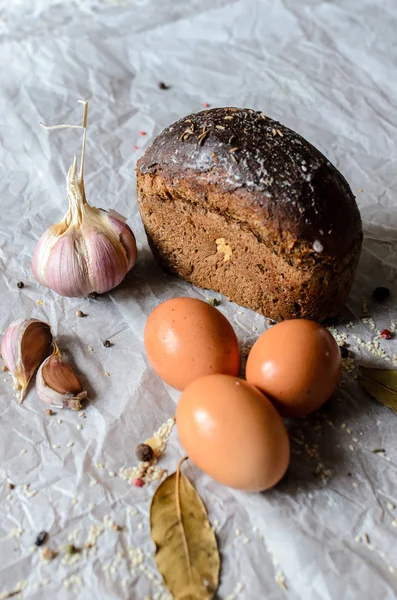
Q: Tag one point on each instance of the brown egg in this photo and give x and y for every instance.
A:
(297, 365)
(187, 338)
(233, 433)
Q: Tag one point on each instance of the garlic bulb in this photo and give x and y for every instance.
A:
(90, 250)
(24, 346)
(57, 384)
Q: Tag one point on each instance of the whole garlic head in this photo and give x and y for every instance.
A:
(90, 250)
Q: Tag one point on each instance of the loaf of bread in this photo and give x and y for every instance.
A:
(235, 202)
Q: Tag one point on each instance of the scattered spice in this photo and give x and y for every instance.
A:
(142, 133)
(49, 412)
(41, 538)
(386, 334)
(107, 344)
(10, 485)
(79, 313)
(213, 301)
(93, 295)
(71, 549)
(380, 293)
(144, 452)
(47, 553)
(163, 86)
(379, 451)
(344, 352)
(4, 368)
(280, 580)
(135, 147)
(206, 105)
(116, 527)
(107, 374)
(20, 285)
(138, 482)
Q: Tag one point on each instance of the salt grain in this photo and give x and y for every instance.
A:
(16, 532)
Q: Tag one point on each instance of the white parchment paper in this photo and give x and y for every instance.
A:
(326, 69)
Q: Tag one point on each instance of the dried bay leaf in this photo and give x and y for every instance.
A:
(186, 550)
(381, 384)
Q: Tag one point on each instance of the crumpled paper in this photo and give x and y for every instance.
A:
(326, 69)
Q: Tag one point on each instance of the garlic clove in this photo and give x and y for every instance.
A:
(24, 346)
(57, 384)
(126, 237)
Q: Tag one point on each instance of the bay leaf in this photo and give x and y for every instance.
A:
(186, 550)
(381, 384)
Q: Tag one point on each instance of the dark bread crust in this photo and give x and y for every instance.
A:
(290, 224)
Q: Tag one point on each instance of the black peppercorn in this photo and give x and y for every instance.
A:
(107, 344)
(380, 293)
(163, 86)
(41, 538)
(344, 352)
(144, 452)
(20, 284)
(213, 301)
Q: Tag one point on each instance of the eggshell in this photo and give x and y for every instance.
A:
(233, 433)
(187, 338)
(297, 365)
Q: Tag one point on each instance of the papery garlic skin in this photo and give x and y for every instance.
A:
(24, 346)
(90, 250)
(57, 384)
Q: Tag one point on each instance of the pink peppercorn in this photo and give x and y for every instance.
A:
(142, 133)
(386, 334)
(206, 105)
(139, 482)
(136, 147)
